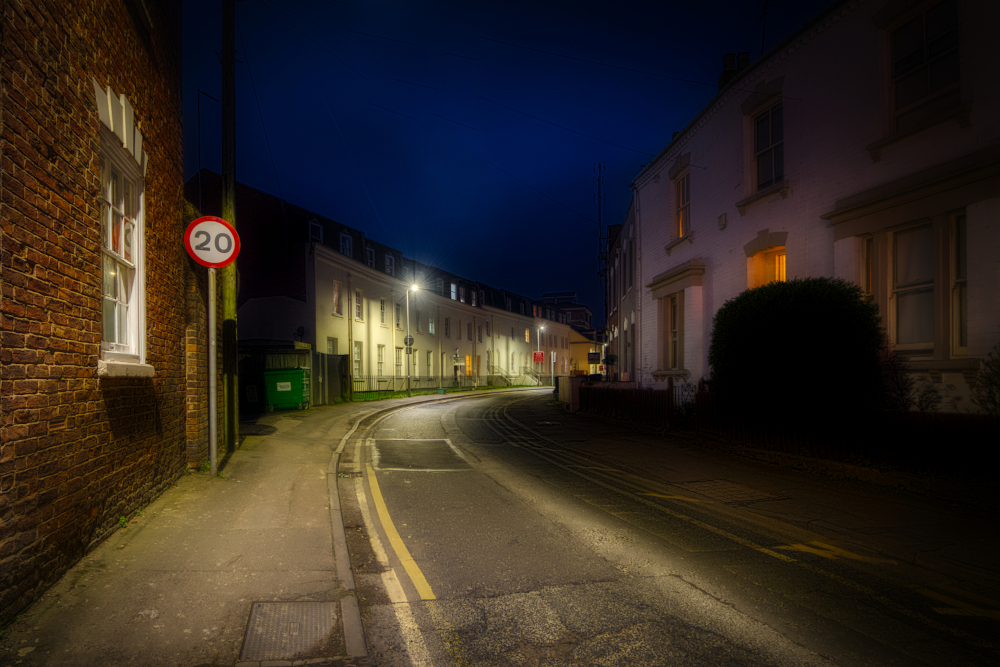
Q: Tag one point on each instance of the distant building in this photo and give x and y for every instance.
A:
(577, 314)
(348, 293)
(620, 297)
(100, 407)
(861, 147)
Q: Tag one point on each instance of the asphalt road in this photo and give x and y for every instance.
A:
(481, 534)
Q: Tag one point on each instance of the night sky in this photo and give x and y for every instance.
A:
(465, 133)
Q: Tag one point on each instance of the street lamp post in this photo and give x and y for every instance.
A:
(408, 341)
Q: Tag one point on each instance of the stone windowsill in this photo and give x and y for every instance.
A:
(662, 375)
(670, 247)
(960, 113)
(120, 369)
(780, 188)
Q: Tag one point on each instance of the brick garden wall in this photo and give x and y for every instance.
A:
(78, 451)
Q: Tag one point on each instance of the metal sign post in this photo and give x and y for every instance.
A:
(212, 242)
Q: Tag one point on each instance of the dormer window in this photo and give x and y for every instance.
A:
(315, 232)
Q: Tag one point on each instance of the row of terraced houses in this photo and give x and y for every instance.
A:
(866, 146)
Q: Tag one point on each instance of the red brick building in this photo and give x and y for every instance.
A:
(99, 301)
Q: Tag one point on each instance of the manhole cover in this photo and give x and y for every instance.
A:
(727, 492)
(290, 630)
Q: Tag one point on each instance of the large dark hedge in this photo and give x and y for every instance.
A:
(811, 344)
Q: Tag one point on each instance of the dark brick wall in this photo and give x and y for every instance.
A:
(78, 451)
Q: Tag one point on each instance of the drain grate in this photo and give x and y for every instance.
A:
(727, 492)
(289, 630)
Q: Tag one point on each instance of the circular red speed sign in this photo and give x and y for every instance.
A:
(212, 242)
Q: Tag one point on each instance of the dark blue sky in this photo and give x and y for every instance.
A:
(465, 133)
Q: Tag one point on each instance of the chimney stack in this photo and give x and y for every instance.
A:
(732, 64)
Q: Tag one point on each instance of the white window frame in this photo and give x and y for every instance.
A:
(370, 256)
(773, 150)
(359, 305)
(122, 271)
(900, 291)
(382, 311)
(346, 245)
(430, 324)
(380, 360)
(454, 291)
(390, 264)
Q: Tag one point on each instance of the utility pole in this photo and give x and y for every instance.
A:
(230, 381)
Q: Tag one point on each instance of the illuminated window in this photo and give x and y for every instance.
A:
(769, 147)
(337, 309)
(430, 324)
(527, 336)
(454, 292)
(779, 267)
(682, 204)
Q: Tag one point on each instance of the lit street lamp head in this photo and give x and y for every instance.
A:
(414, 287)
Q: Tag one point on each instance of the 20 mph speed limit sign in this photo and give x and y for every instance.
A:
(212, 242)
